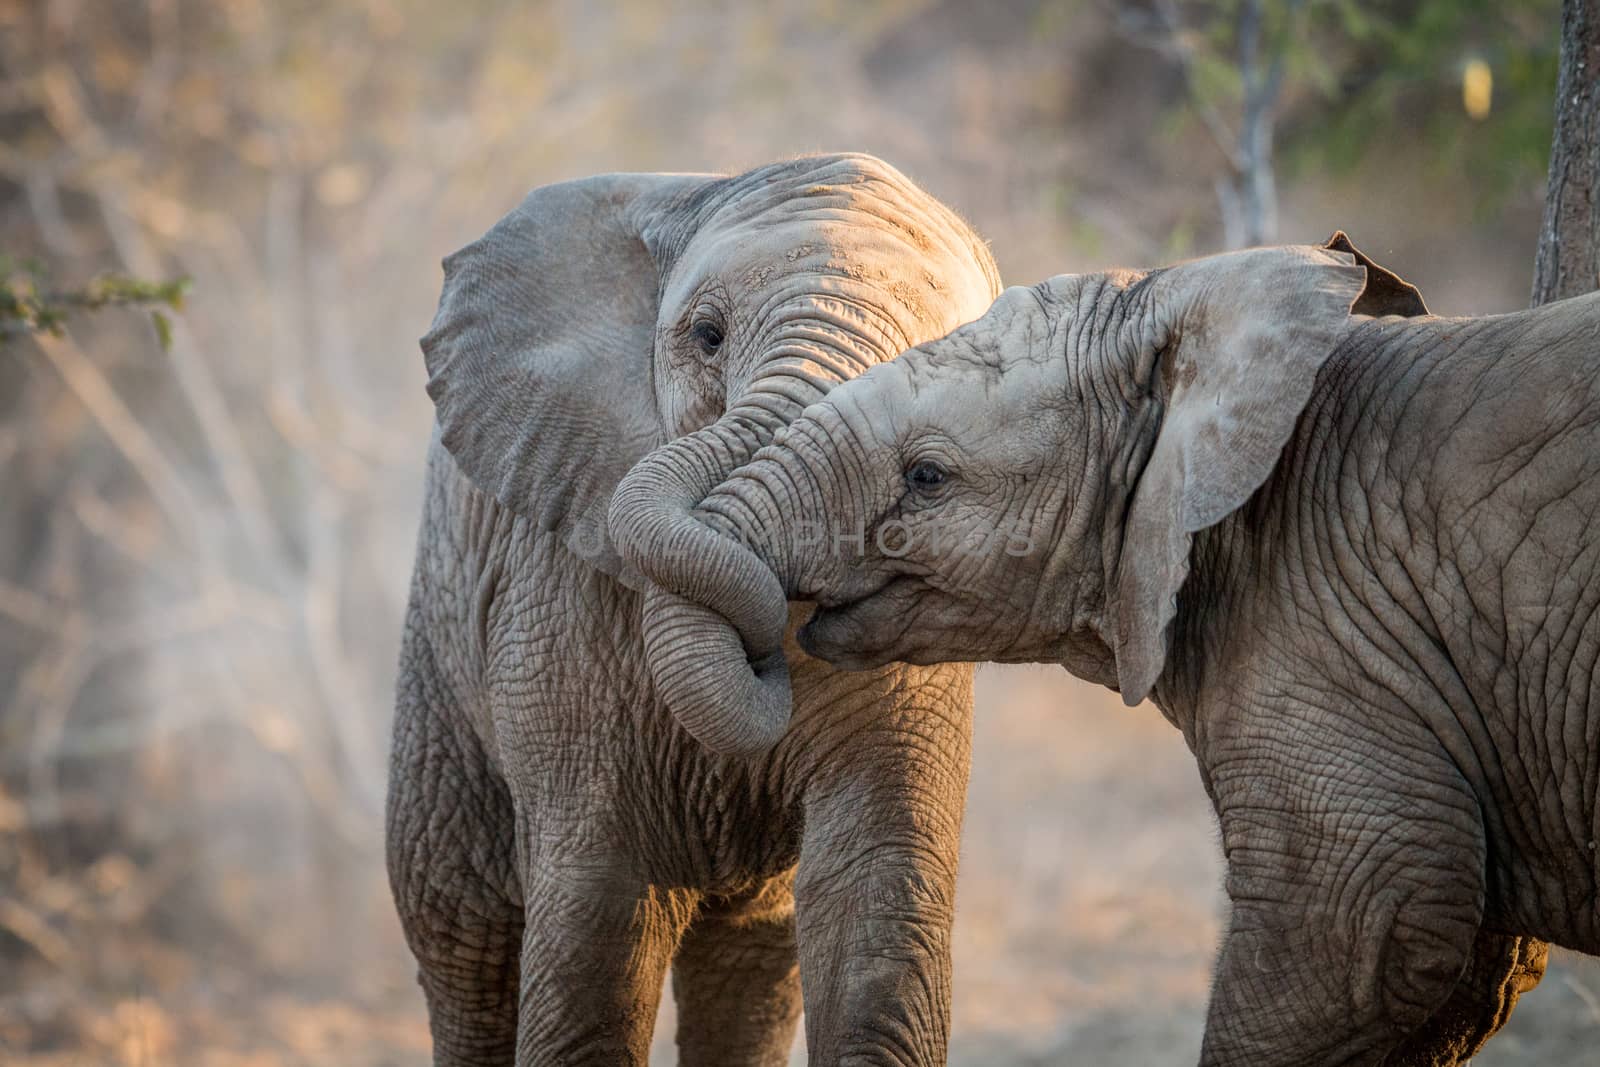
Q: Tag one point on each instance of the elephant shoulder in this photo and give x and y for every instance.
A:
(510, 597)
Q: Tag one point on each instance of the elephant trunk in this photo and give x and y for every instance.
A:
(715, 621)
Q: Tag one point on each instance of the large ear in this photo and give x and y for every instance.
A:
(540, 356)
(1236, 344)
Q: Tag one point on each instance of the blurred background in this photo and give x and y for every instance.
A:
(208, 492)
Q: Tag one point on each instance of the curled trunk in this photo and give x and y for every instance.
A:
(714, 624)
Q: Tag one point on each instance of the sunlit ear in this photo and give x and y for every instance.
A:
(539, 356)
(1386, 293)
(1244, 336)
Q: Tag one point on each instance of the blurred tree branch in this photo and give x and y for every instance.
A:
(29, 305)
(1247, 192)
(1329, 76)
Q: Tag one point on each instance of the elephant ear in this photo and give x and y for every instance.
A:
(1386, 293)
(540, 355)
(1237, 343)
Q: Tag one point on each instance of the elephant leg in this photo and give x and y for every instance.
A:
(736, 981)
(450, 835)
(1502, 968)
(1356, 858)
(874, 904)
(595, 949)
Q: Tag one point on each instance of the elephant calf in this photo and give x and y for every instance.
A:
(1351, 550)
(580, 792)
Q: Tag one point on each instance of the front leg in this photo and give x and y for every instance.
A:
(450, 834)
(736, 980)
(874, 904)
(595, 950)
(1356, 867)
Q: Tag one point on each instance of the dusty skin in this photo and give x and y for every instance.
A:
(1347, 547)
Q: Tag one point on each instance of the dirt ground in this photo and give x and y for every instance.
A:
(1089, 907)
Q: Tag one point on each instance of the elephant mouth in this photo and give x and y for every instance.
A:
(859, 633)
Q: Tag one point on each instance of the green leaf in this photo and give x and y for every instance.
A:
(163, 327)
(29, 305)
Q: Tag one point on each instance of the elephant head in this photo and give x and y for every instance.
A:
(1026, 488)
(616, 346)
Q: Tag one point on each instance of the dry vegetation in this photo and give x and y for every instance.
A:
(204, 545)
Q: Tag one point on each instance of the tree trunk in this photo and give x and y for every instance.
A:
(1568, 263)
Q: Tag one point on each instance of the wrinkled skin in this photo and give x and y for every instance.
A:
(567, 815)
(1348, 548)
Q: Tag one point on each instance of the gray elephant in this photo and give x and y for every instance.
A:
(570, 809)
(1349, 549)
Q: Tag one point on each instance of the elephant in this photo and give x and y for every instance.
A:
(567, 813)
(1347, 547)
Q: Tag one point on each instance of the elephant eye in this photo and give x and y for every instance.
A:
(926, 475)
(708, 334)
